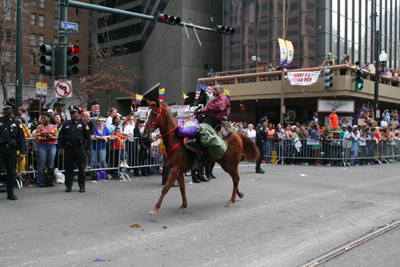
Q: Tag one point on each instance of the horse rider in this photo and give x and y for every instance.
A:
(215, 113)
(261, 138)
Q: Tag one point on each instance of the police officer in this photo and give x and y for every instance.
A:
(74, 139)
(12, 139)
(261, 138)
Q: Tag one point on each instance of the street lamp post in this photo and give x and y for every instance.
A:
(383, 57)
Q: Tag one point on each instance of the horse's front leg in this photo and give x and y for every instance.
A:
(170, 181)
(181, 182)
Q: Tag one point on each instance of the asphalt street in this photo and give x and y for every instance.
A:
(288, 216)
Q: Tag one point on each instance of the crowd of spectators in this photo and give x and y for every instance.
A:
(353, 144)
(116, 141)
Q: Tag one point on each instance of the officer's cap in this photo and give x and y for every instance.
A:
(349, 128)
(73, 109)
(8, 104)
(95, 102)
(264, 119)
(58, 104)
(140, 120)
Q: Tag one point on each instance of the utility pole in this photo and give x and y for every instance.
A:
(18, 67)
(283, 109)
(62, 45)
(377, 73)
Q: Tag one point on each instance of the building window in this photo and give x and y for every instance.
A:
(79, 25)
(7, 56)
(33, 39)
(8, 35)
(41, 21)
(33, 19)
(56, 3)
(40, 39)
(15, 77)
(56, 23)
(41, 3)
(33, 2)
(8, 76)
(32, 59)
(55, 40)
(8, 15)
(32, 78)
(15, 57)
(40, 78)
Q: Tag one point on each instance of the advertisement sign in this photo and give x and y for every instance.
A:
(344, 106)
(303, 78)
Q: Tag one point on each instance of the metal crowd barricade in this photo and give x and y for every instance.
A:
(331, 151)
(107, 159)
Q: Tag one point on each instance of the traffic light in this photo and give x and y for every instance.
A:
(168, 19)
(46, 59)
(72, 60)
(328, 79)
(225, 29)
(359, 78)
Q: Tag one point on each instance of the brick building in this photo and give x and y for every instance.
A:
(40, 26)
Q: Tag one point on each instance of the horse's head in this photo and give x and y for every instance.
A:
(154, 118)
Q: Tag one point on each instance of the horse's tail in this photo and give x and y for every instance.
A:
(249, 148)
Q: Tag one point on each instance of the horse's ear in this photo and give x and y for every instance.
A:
(148, 102)
(157, 102)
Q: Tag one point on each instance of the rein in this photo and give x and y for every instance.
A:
(154, 123)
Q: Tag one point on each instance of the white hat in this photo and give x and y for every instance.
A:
(354, 126)
(50, 110)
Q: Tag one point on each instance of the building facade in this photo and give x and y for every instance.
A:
(314, 27)
(160, 53)
(40, 26)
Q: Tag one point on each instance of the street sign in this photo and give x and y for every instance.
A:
(41, 90)
(69, 32)
(63, 88)
(69, 25)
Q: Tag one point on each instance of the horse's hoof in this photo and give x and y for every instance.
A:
(153, 212)
(229, 204)
(240, 194)
(179, 210)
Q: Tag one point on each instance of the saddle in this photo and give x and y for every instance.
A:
(194, 145)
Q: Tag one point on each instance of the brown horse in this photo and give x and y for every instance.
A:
(181, 159)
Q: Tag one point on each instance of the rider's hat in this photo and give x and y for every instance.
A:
(8, 104)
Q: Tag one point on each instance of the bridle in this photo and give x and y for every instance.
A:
(154, 123)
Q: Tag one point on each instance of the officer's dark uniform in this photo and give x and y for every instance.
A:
(74, 138)
(12, 139)
(261, 137)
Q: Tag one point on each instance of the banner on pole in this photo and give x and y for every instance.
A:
(283, 52)
(303, 78)
(290, 53)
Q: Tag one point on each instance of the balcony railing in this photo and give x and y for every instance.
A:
(339, 70)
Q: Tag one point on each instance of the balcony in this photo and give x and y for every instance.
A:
(266, 85)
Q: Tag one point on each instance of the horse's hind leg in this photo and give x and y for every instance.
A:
(181, 182)
(234, 173)
(170, 181)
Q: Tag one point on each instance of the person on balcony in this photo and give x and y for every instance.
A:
(329, 60)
